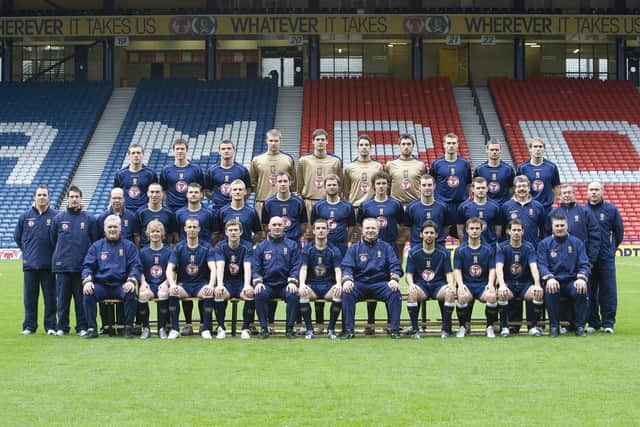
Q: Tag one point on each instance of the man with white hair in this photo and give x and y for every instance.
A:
(111, 270)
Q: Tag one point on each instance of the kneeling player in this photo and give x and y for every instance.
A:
(154, 259)
(194, 263)
(233, 269)
(429, 275)
(320, 274)
(518, 276)
(474, 270)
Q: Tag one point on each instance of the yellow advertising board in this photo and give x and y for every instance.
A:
(199, 26)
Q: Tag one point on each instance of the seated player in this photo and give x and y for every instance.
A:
(371, 269)
(518, 276)
(233, 270)
(474, 271)
(429, 275)
(320, 275)
(111, 270)
(564, 267)
(154, 259)
(193, 263)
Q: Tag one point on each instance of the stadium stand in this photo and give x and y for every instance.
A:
(383, 108)
(202, 112)
(591, 128)
(44, 129)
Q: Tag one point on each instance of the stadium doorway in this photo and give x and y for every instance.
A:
(454, 63)
(283, 63)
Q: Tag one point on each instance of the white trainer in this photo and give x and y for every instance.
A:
(59, 333)
(608, 330)
(206, 334)
(173, 335)
(490, 332)
(535, 332)
(51, 332)
(27, 332)
(222, 334)
(505, 332)
(245, 334)
(461, 332)
(82, 332)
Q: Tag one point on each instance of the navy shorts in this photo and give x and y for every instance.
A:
(519, 289)
(193, 289)
(431, 290)
(476, 290)
(234, 289)
(320, 290)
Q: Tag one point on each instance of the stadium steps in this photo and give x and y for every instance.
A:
(493, 121)
(470, 124)
(289, 118)
(95, 157)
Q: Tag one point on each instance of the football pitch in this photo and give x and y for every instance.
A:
(368, 381)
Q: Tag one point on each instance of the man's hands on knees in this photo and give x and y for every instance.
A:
(347, 286)
(394, 285)
(581, 286)
(553, 286)
(87, 289)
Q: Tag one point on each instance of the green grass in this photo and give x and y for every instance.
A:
(365, 382)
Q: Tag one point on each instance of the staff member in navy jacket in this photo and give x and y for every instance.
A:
(111, 269)
(72, 233)
(34, 240)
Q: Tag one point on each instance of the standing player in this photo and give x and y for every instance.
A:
(266, 166)
(429, 275)
(233, 271)
(357, 175)
(523, 207)
(156, 211)
(564, 267)
(543, 174)
(275, 269)
(218, 178)
(338, 212)
(518, 276)
(474, 269)
(371, 269)
(111, 269)
(191, 272)
(238, 211)
(72, 232)
(128, 221)
(479, 207)
(176, 177)
(154, 259)
(453, 178)
(33, 237)
(320, 277)
(135, 179)
(426, 208)
(498, 174)
(288, 206)
(313, 168)
(603, 289)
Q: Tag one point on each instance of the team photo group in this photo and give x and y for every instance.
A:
(321, 233)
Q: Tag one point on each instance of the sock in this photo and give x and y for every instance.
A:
(305, 313)
(462, 310)
(503, 309)
(248, 313)
(163, 312)
(206, 308)
(174, 311)
(447, 313)
(336, 306)
(319, 306)
(187, 307)
(412, 308)
(534, 311)
(220, 307)
(143, 313)
(491, 312)
(371, 312)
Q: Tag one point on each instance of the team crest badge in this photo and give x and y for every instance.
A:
(405, 184)
(453, 181)
(475, 270)
(267, 256)
(65, 226)
(156, 271)
(286, 221)
(104, 256)
(134, 191)
(484, 224)
(553, 254)
(576, 218)
(363, 258)
(364, 186)
(225, 188)
(192, 269)
(272, 180)
(494, 187)
(181, 186)
(31, 223)
(537, 185)
(320, 270)
(382, 221)
(121, 252)
(428, 275)
(318, 182)
(332, 224)
(514, 215)
(234, 268)
(515, 269)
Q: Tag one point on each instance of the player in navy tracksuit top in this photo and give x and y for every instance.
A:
(499, 175)
(481, 207)
(155, 211)
(154, 259)
(176, 177)
(320, 277)
(542, 174)
(233, 271)
(523, 207)
(426, 208)
(72, 232)
(453, 177)
(337, 211)
(111, 269)
(135, 179)
(518, 276)
(603, 286)
(238, 210)
(564, 266)
(193, 263)
(474, 270)
(581, 221)
(288, 206)
(33, 237)
(129, 223)
(275, 269)
(218, 178)
(371, 269)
